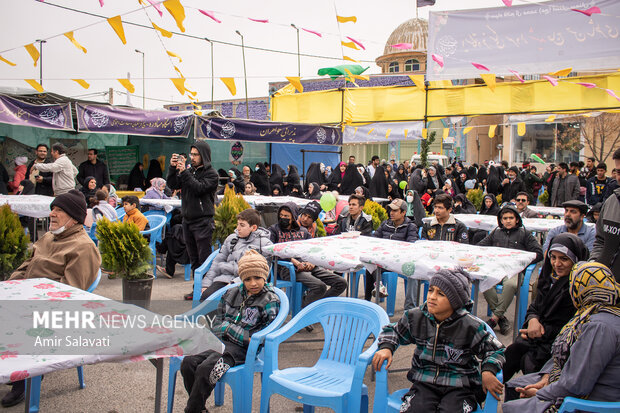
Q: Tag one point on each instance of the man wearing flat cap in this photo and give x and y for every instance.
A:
(574, 213)
(65, 253)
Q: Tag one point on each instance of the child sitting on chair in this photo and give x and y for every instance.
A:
(242, 311)
(132, 212)
(248, 235)
(449, 341)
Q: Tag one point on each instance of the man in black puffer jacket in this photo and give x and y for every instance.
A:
(198, 185)
(509, 234)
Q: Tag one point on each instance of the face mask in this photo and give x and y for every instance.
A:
(59, 230)
(284, 222)
(410, 198)
(256, 169)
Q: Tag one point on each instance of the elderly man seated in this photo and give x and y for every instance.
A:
(65, 254)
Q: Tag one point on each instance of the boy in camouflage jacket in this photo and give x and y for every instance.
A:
(445, 370)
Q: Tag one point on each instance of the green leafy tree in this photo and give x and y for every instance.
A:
(425, 146)
(226, 212)
(13, 242)
(124, 251)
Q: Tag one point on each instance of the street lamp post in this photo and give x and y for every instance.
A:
(298, 51)
(143, 89)
(245, 77)
(40, 60)
(212, 78)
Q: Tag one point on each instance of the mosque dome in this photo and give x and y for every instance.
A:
(414, 31)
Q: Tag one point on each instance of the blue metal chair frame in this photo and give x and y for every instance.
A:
(240, 378)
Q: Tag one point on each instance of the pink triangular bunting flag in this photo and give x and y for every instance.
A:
(612, 94)
(589, 12)
(210, 14)
(312, 31)
(157, 7)
(438, 59)
(402, 46)
(585, 84)
(479, 66)
(508, 3)
(551, 80)
(259, 20)
(518, 76)
(101, 3)
(356, 42)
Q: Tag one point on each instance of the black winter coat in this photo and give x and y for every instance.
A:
(197, 185)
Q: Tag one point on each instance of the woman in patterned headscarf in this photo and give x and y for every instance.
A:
(586, 356)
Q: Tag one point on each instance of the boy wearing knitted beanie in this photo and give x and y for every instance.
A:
(449, 342)
(242, 311)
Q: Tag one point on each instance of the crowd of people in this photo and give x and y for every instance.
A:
(564, 348)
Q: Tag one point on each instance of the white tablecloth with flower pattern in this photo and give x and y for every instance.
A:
(421, 260)
(35, 206)
(418, 260)
(18, 300)
(253, 200)
(489, 222)
(545, 211)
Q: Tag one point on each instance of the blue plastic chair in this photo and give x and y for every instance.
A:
(336, 380)
(120, 213)
(294, 289)
(571, 404)
(156, 224)
(188, 271)
(35, 392)
(240, 378)
(390, 279)
(390, 403)
(199, 274)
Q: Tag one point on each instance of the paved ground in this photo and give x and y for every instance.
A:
(130, 387)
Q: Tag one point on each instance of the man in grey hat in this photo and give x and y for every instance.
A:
(574, 213)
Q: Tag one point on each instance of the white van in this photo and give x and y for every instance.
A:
(441, 159)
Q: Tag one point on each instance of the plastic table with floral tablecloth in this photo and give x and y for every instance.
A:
(253, 200)
(544, 211)
(31, 346)
(346, 252)
(489, 265)
(35, 206)
(489, 222)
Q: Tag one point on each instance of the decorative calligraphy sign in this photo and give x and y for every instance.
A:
(261, 131)
(113, 119)
(529, 39)
(121, 159)
(16, 112)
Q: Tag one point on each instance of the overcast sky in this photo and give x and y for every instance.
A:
(24, 21)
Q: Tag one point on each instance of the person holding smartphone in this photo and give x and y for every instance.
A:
(198, 185)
